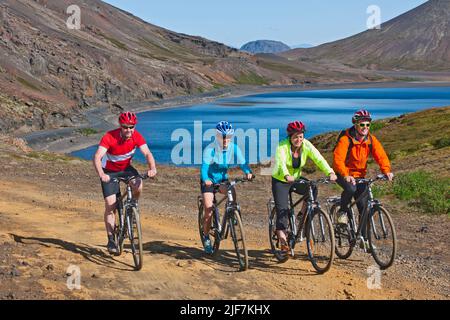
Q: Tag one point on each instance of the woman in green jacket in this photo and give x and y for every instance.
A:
(290, 157)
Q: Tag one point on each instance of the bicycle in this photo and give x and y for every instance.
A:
(314, 222)
(128, 221)
(231, 223)
(373, 219)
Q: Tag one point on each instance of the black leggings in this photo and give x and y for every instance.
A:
(280, 191)
(352, 191)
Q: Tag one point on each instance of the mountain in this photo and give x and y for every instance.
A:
(49, 73)
(416, 40)
(265, 46)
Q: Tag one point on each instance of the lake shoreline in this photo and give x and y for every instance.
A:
(102, 119)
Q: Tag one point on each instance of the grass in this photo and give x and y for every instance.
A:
(170, 51)
(48, 156)
(115, 42)
(27, 84)
(420, 189)
(441, 143)
(201, 90)
(377, 125)
(217, 85)
(286, 69)
(251, 78)
(425, 190)
(406, 79)
(87, 131)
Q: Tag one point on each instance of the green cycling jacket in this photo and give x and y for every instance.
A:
(283, 160)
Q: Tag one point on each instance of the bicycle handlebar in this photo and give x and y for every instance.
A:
(379, 177)
(128, 179)
(233, 182)
(320, 180)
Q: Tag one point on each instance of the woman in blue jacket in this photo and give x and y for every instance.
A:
(216, 161)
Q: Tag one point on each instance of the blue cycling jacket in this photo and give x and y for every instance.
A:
(217, 161)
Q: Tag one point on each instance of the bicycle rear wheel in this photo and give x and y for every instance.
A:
(135, 235)
(273, 238)
(382, 237)
(320, 240)
(238, 236)
(343, 247)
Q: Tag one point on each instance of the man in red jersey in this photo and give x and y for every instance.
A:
(113, 159)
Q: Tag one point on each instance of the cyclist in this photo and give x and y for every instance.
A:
(216, 161)
(350, 161)
(113, 159)
(290, 157)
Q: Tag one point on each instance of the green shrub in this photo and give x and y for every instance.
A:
(380, 190)
(441, 143)
(425, 190)
(376, 126)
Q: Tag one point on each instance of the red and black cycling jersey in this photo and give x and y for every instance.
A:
(119, 151)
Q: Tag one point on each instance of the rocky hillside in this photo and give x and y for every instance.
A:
(416, 40)
(49, 73)
(265, 46)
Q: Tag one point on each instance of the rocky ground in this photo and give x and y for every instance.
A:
(51, 218)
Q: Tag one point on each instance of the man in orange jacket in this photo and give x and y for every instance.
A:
(350, 161)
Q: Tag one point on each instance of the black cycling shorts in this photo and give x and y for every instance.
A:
(205, 189)
(110, 188)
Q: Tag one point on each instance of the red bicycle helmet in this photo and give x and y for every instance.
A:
(361, 115)
(294, 127)
(128, 118)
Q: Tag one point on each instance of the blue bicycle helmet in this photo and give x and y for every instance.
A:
(225, 128)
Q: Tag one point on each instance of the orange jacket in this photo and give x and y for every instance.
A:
(356, 163)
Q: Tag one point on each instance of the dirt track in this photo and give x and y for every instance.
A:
(51, 218)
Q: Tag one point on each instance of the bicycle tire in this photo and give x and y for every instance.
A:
(135, 237)
(343, 246)
(273, 238)
(313, 241)
(238, 237)
(119, 233)
(372, 235)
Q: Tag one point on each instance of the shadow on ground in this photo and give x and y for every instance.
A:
(89, 253)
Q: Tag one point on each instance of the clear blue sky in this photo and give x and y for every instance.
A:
(235, 22)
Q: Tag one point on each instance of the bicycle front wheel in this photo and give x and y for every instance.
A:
(119, 231)
(382, 237)
(238, 236)
(320, 240)
(135, 235)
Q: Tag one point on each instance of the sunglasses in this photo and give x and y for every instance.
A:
(128, 127)
(362, 125)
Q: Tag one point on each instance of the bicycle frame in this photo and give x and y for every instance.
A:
(311, 204)
(229, 206)
(125, 201)
(367, 212)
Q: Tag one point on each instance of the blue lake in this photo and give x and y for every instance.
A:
(320, 110)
